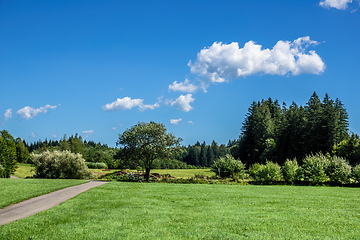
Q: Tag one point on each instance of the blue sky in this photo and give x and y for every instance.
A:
(98, 67)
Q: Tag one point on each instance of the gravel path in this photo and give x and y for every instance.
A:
(38, 204)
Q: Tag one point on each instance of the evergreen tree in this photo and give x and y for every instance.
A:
(314, 116)
(291, 140)
(342, 126)
(202, 158)
(215, 149)
(210, 156)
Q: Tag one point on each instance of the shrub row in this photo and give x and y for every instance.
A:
(316, 169)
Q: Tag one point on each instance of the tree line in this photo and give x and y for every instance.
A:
(197, 155)
(276, 133)
(269, 133)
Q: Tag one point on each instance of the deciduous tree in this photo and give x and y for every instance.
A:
(144, 142)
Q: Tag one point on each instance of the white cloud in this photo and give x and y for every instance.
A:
(183, 102)
(191, 123)
(227, 61)
(88, 132)
(338, 4)
(8, 114)
(29, 112)
(175, 121)
(143, 107)
(127, 103)
(185, 86)
(122, 104)
(32, 135)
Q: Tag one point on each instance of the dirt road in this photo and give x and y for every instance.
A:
(38, 204)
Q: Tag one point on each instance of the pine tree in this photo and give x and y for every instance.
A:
(314, 116)
(210, 156)
(215, 149)
(202, 158)
(342, 125)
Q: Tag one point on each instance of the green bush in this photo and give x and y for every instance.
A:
(356, 173)
(314, 168)
(58, 164)
(96, 165)
(228, 167)
(339, 170)
(268, 173)
(290, 171)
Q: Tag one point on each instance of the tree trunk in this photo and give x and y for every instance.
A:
(147, 174)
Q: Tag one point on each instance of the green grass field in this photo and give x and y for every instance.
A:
(24, 170)
(17, 190)
(178, 173)
(184, 173)
(180, 211)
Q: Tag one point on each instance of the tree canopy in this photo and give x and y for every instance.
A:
(144, 142)
(8, 163)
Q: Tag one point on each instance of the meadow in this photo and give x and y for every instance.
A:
(185, 173)
(17, 190)
(26, 170)
(120, 210)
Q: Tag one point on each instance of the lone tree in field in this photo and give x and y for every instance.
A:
(144, 142)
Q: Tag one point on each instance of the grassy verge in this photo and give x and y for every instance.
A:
(24, 170)
(167, 211)
(178, 173)
(17, 190)
(99, 172)
(184, 173)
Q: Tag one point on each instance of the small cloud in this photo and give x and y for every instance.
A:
(116, 127)
(183, 102)
(29, 112)
(175, 121)
(143, 107)
(88, 133)
(185, 86)
(32, 135)
(190, 122)
(160, 99)
(127, 103)
(8, 114)
(121, 104)
(338, 4)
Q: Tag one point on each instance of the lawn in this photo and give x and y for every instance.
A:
(17, 190)
(184, 173)
(178, 173)
(179, 211)
(24, 170)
